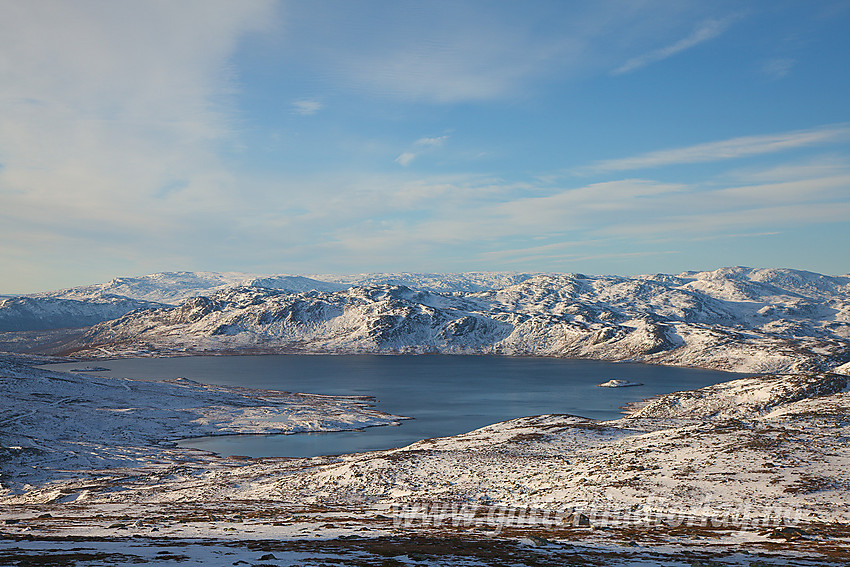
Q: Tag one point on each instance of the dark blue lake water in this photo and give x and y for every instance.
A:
(445, 395)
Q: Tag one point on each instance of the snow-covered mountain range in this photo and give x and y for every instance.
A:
(175, 287)
(86, 305)
(741, 319)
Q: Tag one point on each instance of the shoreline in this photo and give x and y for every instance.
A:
(573, 376)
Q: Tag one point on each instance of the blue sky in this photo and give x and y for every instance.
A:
(604, 137)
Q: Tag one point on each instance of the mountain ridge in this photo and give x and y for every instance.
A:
(739, 319)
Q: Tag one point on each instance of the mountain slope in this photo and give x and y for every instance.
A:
(163, 287)
(38, 313)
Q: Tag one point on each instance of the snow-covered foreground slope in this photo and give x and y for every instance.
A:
(737, 319)
(753, 446)
(52, 423)
(755, 454)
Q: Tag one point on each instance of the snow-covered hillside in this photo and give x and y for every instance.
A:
(785, 455)
(37, 313)
(166, 287)
(439, 282)
(732, 319)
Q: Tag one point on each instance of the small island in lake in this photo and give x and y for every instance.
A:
(619, 384)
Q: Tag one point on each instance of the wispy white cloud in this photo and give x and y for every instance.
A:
(452, 66)
(582, 206)
(819, 167)
(102, 105)
(431, 142)
(778, 68)
(725, 149)
(405, 159)
(420, 146)
(706, 31)
(306, 107)
(558, 253)
(689, 225)
(566, 254)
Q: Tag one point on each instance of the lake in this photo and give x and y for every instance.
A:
(445, 394)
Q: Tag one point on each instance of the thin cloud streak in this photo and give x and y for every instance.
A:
(708, 30)
(726, 149)
(405, 159)
(719, 223)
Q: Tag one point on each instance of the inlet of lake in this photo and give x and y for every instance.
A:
(444, 394)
